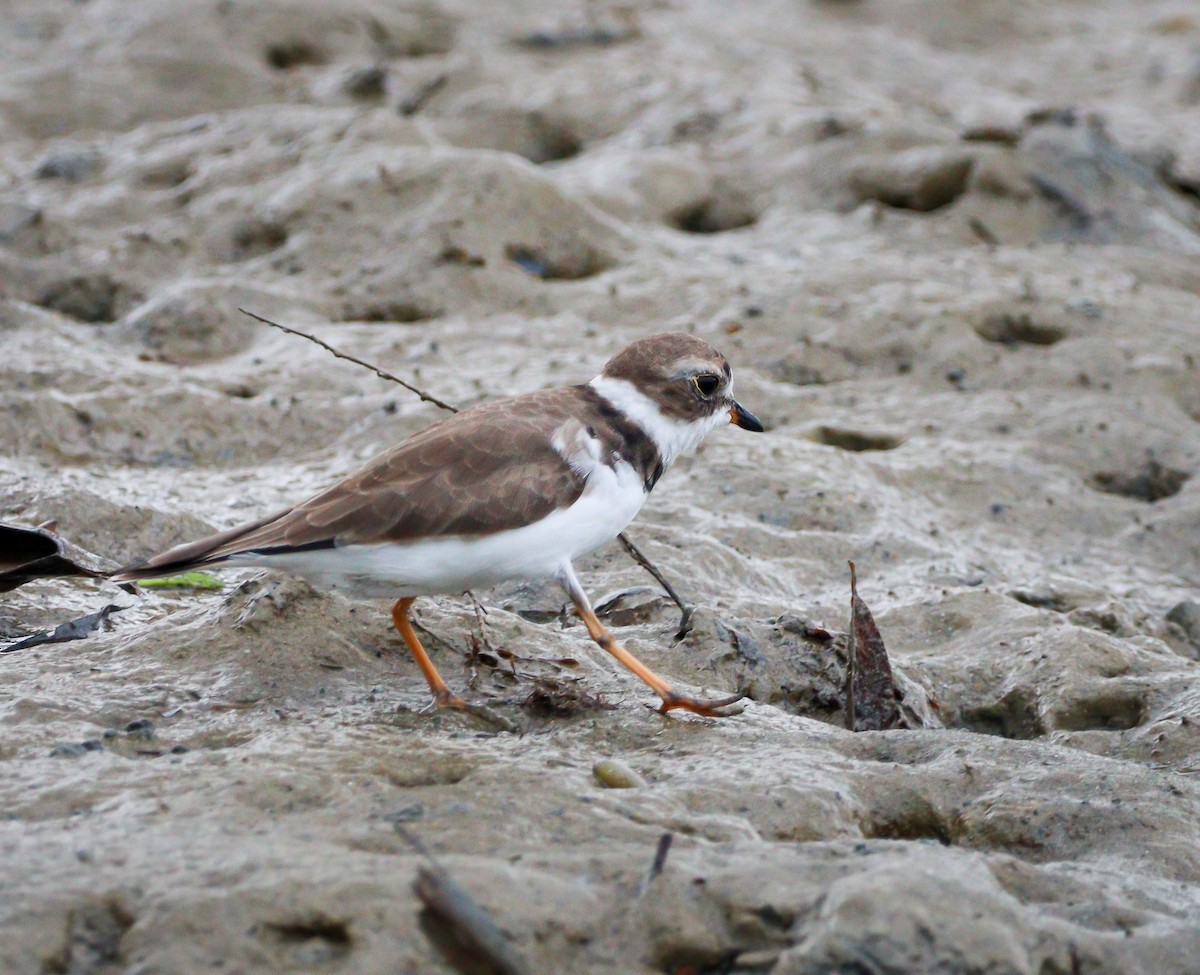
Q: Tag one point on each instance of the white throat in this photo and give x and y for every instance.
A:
(672, 437)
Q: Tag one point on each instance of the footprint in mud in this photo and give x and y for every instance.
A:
(244, 238)
(713, 215)
(309, 942)
(1019, 328)
(88, 297)
(856, 440)
(400, 310)
(1016, 714)
(569, 265)
(1112, 705)
(286, 55)
(1151, 482)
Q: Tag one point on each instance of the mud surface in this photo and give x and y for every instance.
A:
(951, 250)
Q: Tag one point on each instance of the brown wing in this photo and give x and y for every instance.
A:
(484, 470)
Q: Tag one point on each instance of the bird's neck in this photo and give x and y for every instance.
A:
(670, 435)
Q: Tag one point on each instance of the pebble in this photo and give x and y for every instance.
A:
(141, 728)
(613, 774)
(74, 750)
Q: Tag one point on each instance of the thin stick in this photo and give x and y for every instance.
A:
(426, 397)
(660, 854)
(459, 927)
(656, 867)
(685, 622)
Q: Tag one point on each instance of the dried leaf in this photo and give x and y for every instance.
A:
(65, 632)
(38, 553)
(552, 698)
(872, 698)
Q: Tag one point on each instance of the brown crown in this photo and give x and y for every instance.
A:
(659, 367)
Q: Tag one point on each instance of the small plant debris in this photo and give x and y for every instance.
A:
(185, 580)
(872, 697)
(552, 698)
(39, 553)
(65, 632)
(457, 926)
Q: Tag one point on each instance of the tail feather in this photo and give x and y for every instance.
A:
(208, 551)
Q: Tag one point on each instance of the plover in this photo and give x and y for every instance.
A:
(515, 488)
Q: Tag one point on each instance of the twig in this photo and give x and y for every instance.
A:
(416, 101)
(458, 926)
(660, 854)
(426, 397)
(685, 621)
(481, 621)
(481, 640)
(656, 867)
(983, 232)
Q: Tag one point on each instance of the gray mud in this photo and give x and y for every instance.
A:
(951, 250)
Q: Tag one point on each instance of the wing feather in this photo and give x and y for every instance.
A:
(484, 470)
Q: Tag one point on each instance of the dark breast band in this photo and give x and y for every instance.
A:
(621, 435)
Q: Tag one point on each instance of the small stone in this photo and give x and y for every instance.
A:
(66, 751)
(924, 178)
(407, 814)
(71, 165)
(1186, 616)
(613, 774)
(141, 728)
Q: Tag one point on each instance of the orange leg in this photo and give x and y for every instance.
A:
(719, 708)
(443, 697)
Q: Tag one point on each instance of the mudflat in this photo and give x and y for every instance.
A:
(952, 253)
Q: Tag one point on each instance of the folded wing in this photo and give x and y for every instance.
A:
(485, 470)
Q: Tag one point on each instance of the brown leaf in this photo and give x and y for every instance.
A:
(872, 698)
(38, 553)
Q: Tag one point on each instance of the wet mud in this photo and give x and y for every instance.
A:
(951, 251)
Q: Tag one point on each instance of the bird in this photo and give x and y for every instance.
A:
(512, 488)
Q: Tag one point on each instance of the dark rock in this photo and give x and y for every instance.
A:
(71, 165)
(141, 728)
(1186, 616)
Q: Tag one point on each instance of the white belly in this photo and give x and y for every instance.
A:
(453, 564)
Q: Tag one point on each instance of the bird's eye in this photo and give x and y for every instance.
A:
(706, 383)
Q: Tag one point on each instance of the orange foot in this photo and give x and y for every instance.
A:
(446, 699)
